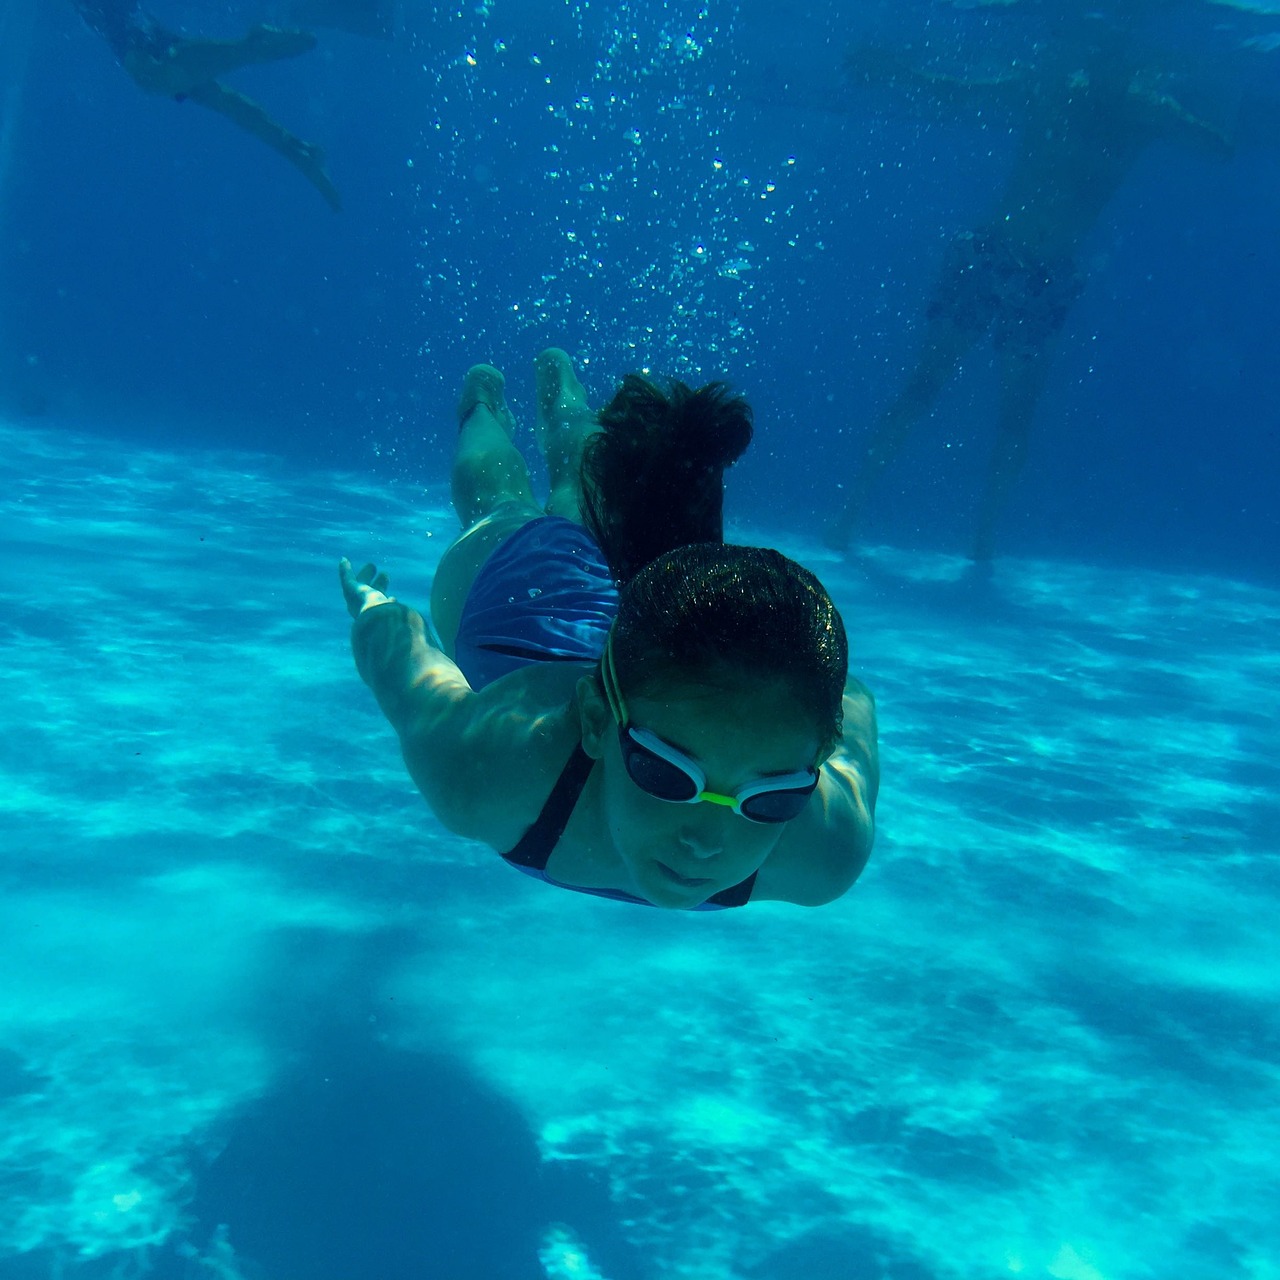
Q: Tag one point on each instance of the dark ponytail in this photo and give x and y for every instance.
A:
(653, 478)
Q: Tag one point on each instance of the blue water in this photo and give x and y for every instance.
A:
(260, 1017)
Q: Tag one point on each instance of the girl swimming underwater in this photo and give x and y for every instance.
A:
(613, 698)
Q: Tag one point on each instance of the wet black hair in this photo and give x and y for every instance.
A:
(725, 615)
(653, 479)
(692, 607)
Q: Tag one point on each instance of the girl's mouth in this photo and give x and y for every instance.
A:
(686, 882)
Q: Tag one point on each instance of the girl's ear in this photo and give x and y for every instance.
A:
(594, 716)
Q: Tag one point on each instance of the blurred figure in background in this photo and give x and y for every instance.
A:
(189, 69)
(1085, 111)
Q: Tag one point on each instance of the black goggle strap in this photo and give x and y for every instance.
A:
(609, 679)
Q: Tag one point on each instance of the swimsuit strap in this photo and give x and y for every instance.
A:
(736, 895)
(535, 846)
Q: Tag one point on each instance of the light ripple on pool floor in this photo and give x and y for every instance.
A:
(1040, 1038)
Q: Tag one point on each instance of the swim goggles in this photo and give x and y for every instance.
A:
(667, 773)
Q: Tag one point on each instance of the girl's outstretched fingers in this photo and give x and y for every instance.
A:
(358, 587)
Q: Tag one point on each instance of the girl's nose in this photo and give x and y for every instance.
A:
(700, 844)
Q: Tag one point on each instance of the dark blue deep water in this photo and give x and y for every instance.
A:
(262, 1019)
(166, 277)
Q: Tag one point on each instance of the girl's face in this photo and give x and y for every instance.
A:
(678, 855)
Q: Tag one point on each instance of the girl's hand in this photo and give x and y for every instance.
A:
(362, 590)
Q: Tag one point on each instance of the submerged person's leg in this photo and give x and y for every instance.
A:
(1022, 378)
(306, 157)
(491, 494)
(162, 62)
(565, 423)
(945, 345)
(165, 62)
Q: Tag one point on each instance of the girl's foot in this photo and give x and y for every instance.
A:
(483, 385)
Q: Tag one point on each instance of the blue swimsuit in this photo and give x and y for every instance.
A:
(543, 595)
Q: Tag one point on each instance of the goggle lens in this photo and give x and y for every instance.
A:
(656, 776)
(665, 780)
(776, 806)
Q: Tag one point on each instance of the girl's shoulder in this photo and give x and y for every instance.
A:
(495, 769)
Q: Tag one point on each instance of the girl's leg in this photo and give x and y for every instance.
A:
(491, 494)
(488, 470)
(565, 423)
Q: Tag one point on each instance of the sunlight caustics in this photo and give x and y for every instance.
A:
(1012, 1025)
